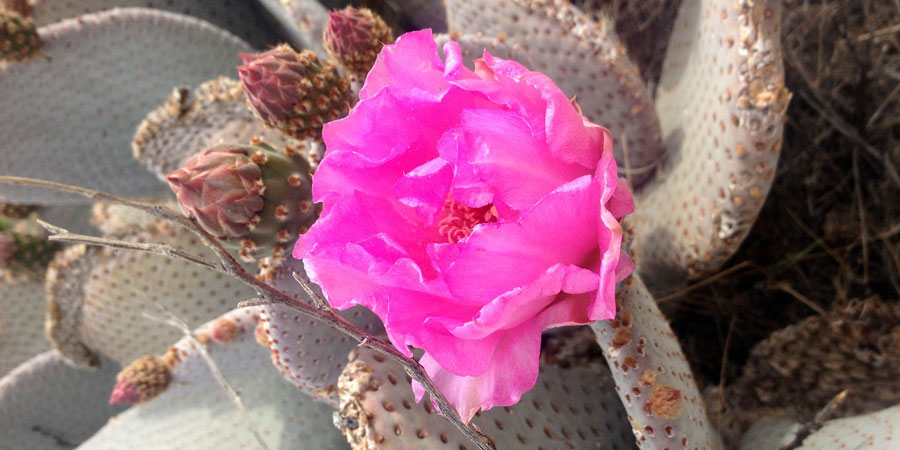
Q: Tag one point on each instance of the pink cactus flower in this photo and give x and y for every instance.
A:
(470, 210)
(222, 188)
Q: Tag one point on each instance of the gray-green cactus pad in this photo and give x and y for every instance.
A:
(214, 113)
(302, 21)
(22, 308)
(652, 376)
(47, 404)
(237, 16)
(104, 308)
(721, 103)
(78, 109)
(195, 412)
(878, 430)
(308, 353)
(567, 408)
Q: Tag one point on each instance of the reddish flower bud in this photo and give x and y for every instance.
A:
(253, 197)
(354, 38)
(293, 91)
(222, 188)
(142, 380)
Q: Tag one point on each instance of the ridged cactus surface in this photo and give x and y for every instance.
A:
(302, 21)
(59, 112)
(721, 103)
(240, 17)
(195, 412)
(652, 376)
(104, 308)
(593, 68)
(45, 403)
(876, 430)
(192, 120)
(64, 289)
(308, 353)
(567, 409)
(21, 333)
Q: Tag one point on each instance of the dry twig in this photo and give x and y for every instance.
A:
(173, 320)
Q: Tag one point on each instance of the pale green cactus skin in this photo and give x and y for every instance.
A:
(45, 403)
(309, 354)
(283, 416)
(21, 330)
(873, 430)
(100, 298)
(652, 376)
(70, 95)
(568, 408)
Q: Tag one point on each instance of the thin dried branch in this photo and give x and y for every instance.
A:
(173, 320)
(63, 235)
(230, 266)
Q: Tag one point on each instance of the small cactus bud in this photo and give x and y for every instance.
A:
(247, 196)
(294, 92)
(222, 188)
(354, 38)
(19, 39)
(142, 380)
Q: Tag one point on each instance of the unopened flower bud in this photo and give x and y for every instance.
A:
(142, 380)
(222, 188)
(354, 38)
(249, 196)
(294, 92)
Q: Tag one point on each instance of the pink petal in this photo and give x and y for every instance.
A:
(425, 188)
(506, 153)
(516, 253)
(411, 63)
(513, 371)
(525, 303)
(371, 217)
(567, 139)
(386, 137)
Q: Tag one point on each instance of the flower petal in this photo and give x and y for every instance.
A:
(513, 371)
(425, 189)
(505, 154)
(524, 303)
(411, 63)
(497, 257)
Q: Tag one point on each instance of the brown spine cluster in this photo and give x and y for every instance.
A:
(19, 38)
(294, 91)
(142, 380)
(354, 37)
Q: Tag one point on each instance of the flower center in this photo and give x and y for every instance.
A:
(458, 220)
